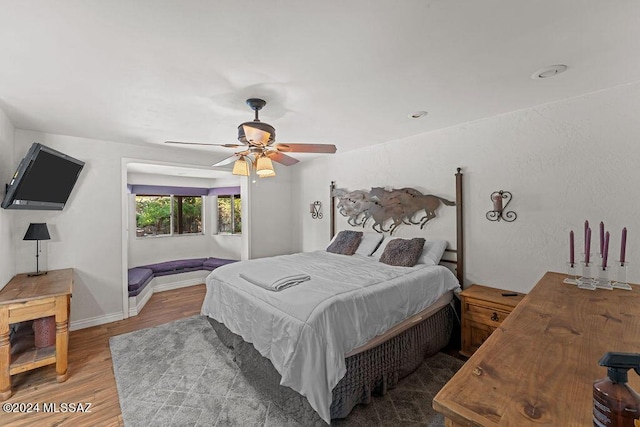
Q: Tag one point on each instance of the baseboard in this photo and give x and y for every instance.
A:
(95, 321)
(138, 302)
(135, 305)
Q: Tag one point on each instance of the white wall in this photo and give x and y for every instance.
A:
(271, 214)
(564, 162)
(7, 168)
(87, 234)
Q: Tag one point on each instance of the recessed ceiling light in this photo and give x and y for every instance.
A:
(547, 72)
(418, 114)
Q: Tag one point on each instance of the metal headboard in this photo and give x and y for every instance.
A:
(459, 251)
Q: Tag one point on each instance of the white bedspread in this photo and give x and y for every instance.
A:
(306, 330)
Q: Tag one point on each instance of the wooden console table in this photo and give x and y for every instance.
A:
(27, 298)
(538, 366)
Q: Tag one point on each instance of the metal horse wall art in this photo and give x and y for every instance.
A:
(400, 206)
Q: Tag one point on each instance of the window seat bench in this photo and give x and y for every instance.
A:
(140, 278)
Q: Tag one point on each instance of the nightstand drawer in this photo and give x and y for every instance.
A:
(478, 334)
(483, 310)
(486, 315)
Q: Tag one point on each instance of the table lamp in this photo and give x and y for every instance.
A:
(37, 232)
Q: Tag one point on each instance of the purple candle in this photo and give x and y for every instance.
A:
(605, 253)
(601, 237)
(623, 245)
(586, 227)
(571, 249)
(587, 246)
(497, 202)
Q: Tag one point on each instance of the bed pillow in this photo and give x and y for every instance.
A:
(432, 252)
(369, 243)
(346, 242)
(378, 253)
(403, 252)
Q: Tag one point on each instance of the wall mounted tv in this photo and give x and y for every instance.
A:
(43, 181)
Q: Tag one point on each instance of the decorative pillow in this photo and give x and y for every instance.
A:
(369, 243)
(432, 252)
(403, 252)
(346, 242)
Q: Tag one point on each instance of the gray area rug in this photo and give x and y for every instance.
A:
(180, 374)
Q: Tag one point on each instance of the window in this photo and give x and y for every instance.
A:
(229, 214)
(168, 215)
(187, 214)
(153, 215)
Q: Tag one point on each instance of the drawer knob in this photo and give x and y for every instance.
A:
(495, 317)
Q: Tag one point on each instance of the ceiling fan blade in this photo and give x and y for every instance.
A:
(306, 148)
(255, 135)
(276, 156)
(205, 143)
(226, 161)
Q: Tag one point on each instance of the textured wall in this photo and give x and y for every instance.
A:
(564, 162)
(7, 168)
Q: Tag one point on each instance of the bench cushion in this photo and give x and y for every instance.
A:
(213, 263)
(138, 279)
(176, 266)
(178, 271)
(140, 276)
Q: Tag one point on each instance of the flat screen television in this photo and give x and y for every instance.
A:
(43, 181)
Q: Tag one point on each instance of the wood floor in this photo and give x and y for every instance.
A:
(91, 377)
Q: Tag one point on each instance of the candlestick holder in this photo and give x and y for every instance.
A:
(586, 280)
(620, 281)
(501, 200)
(314, 209)
(572, 273)
(603, 281)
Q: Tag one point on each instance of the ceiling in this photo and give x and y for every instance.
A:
(345, 73)
(174, 170)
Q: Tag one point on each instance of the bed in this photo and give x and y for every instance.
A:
(353, 328)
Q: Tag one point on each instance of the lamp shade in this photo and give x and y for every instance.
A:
(267, 174)
(241, 167)
(37, 231)
(264, 167)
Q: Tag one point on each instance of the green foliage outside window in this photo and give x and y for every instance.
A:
(230, 220)
(187, 214)
(153, 215)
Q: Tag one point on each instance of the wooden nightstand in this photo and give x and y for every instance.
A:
(27, 298)
(483, 309)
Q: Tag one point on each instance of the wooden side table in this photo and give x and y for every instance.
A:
(28, 298)
(483, 310)
(539, 367)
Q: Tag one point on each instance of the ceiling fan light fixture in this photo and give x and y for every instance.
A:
(256, 135)
(264, 167)
(268, 174)
(241, 167)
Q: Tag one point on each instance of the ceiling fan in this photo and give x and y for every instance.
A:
(259, 148)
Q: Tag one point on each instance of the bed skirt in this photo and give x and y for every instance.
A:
(372, 371)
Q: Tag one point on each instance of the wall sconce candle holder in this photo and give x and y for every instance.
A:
(314, 208)
(501, 200)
